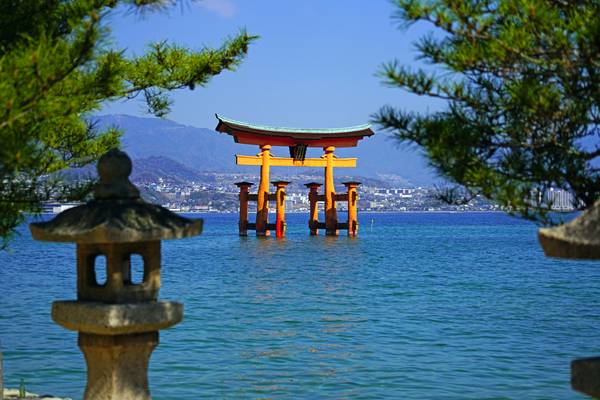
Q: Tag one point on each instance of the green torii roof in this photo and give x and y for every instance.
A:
(365, 128)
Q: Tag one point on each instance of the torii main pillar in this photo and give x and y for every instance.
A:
(262, 202)
(330, 210)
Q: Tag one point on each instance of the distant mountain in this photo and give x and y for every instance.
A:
(199, 149)
(147, 170)
(204, 150)
(151, 168)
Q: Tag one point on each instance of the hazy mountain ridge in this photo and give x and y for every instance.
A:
(152, 168)
(184, 151)
(199, 149)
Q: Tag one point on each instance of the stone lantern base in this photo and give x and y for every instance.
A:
(117, 341)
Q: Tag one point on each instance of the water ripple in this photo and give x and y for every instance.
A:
(436, 306)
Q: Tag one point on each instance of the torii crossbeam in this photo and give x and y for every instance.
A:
(297, 140)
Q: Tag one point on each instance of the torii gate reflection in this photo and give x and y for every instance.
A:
(298, 140)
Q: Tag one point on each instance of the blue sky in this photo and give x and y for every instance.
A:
(314, 66)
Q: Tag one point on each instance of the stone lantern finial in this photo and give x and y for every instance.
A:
(118, 320)
(114, 169)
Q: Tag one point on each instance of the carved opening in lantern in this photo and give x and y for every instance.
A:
(132, 271)
(100, 270)
(137, 270)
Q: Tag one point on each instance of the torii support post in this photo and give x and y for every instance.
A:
(280, 207)
(313, 219)
(330, 211)
(244, 192)
(352, 208)
(262, 206)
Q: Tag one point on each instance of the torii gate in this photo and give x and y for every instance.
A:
(297, 140)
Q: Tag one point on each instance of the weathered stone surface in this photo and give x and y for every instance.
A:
(585, 376)
(115, 222)
(117, 365)
(118, 287)
(578, 239)
(116, 319)
(114, 169)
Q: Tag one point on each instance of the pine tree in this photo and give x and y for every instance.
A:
(56, 68)
(521, 85)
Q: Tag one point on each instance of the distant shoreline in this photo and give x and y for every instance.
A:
(360, 212)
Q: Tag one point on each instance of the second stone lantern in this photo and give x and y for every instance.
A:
(578, 240)
(118, 320)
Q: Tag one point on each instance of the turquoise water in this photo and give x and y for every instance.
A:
(420, 306)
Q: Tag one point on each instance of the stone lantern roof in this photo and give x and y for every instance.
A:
(117, 214)
(578, 239)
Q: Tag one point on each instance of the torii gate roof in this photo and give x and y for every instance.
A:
(246, 133)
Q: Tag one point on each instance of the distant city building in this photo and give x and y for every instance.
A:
(560, 200)
(554, 198)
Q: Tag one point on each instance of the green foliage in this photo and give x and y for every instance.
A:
(56, 68)
(521, 81)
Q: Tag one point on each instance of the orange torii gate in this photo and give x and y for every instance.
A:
(297, 140)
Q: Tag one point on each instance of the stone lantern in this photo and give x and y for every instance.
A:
(579, 239)
(117, 320)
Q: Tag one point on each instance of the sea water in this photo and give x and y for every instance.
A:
(419, 306)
